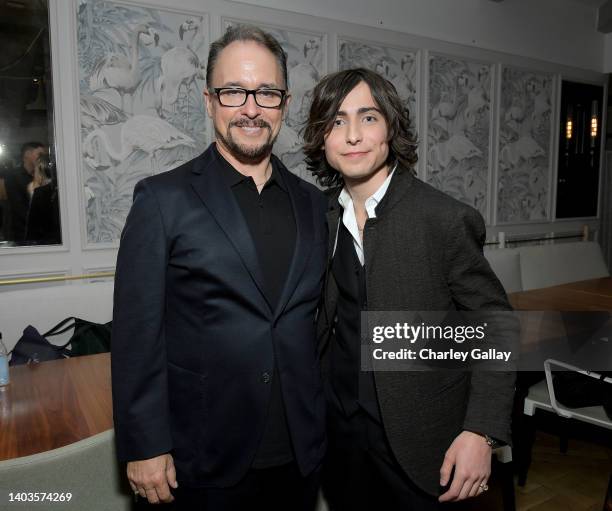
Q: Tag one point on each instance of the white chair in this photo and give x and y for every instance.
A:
(506, 264)
(87, 469)
(560, 263)
(542, 396)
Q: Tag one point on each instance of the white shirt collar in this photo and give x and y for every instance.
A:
(350, 220)
(371, 202)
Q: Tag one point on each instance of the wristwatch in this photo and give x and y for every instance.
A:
(491, 442)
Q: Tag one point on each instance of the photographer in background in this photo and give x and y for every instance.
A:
(14, 190)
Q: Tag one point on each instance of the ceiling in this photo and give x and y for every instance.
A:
(592, 3)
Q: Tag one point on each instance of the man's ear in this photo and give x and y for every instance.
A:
(288, 99)
(208, 99)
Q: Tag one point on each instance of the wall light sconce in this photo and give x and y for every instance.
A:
(569, 123)
(569, 128)
(594, 115)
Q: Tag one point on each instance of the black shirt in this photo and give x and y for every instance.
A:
(354, 388)
(16, 185)
(269, 216)
(43, 219)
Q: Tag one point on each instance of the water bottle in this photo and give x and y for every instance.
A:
(4, 367)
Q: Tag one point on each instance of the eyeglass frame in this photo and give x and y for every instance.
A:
(248, 92)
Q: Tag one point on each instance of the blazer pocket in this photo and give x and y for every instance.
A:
(188, 409)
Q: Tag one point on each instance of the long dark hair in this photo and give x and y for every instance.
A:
(329, 94)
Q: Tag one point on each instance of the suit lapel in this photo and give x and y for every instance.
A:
(302, 210)
(330, 290)
(218, 198)
(333, 219)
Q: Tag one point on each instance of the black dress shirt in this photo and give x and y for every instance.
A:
(18, 199)
(269, 216)
(43, 218)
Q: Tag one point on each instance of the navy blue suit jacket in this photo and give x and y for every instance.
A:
(193, 334)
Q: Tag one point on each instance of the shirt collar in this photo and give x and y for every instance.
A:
(233, 177)
(372, 201)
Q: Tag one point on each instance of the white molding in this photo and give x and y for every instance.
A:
(554, 145)
(554, 182)
(497, 70)
(602, 149)
(33, 274)
(424, 116)
(89, 270)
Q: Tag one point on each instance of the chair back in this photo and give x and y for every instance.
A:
(560, 263)
(87, 469)
(506, 264)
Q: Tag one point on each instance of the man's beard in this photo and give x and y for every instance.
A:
(243, 153)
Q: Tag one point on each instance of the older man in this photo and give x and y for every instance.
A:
(216, 388)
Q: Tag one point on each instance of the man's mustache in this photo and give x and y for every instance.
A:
(250, 123)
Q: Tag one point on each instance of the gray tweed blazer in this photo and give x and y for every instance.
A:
(423, 252)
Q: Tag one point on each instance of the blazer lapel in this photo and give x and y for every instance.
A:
(333, 220)
(302, 211)
(218, 198)
(327, 308)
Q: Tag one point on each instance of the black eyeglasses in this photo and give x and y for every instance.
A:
(236, 96)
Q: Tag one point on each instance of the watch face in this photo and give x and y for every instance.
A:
(491, 441)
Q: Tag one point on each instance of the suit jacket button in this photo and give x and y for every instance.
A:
(265, 378)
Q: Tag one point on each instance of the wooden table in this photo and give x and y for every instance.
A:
(585, 295)
(55, 403)
(584, 308)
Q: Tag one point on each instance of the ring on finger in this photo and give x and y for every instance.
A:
(483, 487)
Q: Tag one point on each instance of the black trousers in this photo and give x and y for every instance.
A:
(280, 488)
(360, 471)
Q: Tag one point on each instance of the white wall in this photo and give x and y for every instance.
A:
(559, 31)
(607, 54)
(526, 33)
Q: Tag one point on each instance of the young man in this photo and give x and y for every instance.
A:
(216, 387)
(397, 439)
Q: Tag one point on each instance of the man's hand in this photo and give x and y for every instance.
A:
(471, 457)
(150, 478)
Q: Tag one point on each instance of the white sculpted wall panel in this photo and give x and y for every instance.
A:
(459, 129)
(524, 146)
(141, 73)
